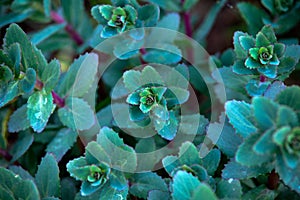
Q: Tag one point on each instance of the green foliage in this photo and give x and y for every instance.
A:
(275, 136)
(145, 114)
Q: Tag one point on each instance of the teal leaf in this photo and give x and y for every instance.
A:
(108, 192)
(45, 33)
(20, 147)
(39, 108)
(203, 191)
(21, 172)
(269, 71)
(265, 112)
(133, 98)
(169, 21)
(287, 64)
(14, 53)
(31, 56)
(164, 54)
(106, 11)
(168, 5)
(127, 48)
(79, 78)
(8, 93)
(229, 141)
(169, 130)
(117, 180)
(239, 67)
(95, 154)
(241, 117)
(13, 187)
(257, 88)
(260, 192)
(234, 170)
(229, 189)
(108, 32)
(186, 187)
(289, 176)
(252, 64)
(143, 183)
(286, 117)
(13, 17)
(149, 75)
(122, 156)
(157, 194)
(274, 89)
(78, 168)
(188, 155)
(211, 161)
(136, 115)
(61, 143)
(132, 80)
(179, 95)
(47, 177)
(247, 42)
(209, 21)
(262, 40)
(269, 33)
(240, 52)
(264, 145)
(6, 74)
(97, 15)
(193, 124)
(144, 146)
(149, 14)
(17, 122)
(76, 114)
(51, 75)
(246, 156)
(26, 85)
(290, 97)
(254, 22)
(279, 49)
(161, 112)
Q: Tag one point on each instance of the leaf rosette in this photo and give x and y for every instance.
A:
(152, 100)
(272, 134)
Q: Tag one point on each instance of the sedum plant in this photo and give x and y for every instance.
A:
(149, 118)
(272, 134)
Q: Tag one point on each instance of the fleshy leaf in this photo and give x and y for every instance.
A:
(241, 116)
(51, 75)
(246, 156)
(17, 121)
(61, 143)
(28, 82)
(76, 114)
(143, 183)
(13, 187)
(47, 177)
(39, 108)
(229, 189)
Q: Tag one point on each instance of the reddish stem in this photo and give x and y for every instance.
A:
(60, 102)
(273, 180)
(60, 20)
(262, 78)
(143, 52)
(5, 155)
(187, 24)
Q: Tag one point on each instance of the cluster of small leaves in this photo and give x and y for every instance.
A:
(270, 129)
(263, 58)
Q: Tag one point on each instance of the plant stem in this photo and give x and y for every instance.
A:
(187, 22)
(60, 102)
(273, 180)
(143, 52)
(5, 155)
(60, 20)
(262, 78)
